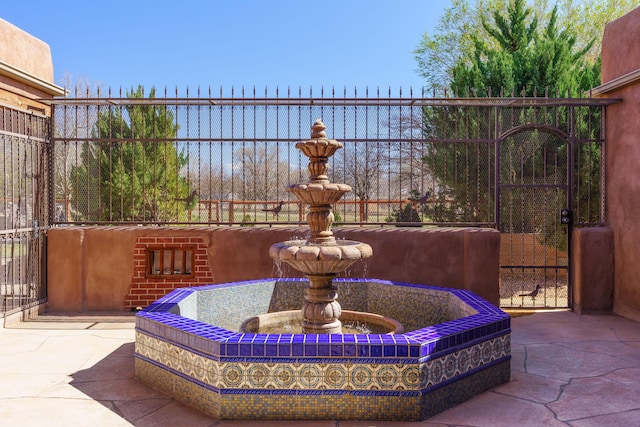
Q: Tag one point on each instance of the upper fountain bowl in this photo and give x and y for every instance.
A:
(319, 145)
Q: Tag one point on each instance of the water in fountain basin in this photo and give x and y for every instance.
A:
(290, 322)
(294, 326)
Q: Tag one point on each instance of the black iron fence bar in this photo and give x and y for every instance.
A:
(15, 231)
(538, 266)
(603, 173)
(18, 135)
(550, 186)
(330, 102)
(280, 140)
(272, 224)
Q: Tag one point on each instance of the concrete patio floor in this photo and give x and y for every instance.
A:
(567, 370)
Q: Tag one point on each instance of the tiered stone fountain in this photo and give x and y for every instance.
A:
(320, 257)
(197, 345)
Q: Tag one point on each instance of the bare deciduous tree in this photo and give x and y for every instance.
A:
(258, 174)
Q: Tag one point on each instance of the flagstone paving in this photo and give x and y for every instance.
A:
(77, 370)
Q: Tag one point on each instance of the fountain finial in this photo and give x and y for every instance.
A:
(318, 130)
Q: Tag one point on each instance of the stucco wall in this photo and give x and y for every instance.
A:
(621, 56)
(593, 270)
(91, 268)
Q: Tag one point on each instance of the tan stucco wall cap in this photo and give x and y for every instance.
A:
(26, 59)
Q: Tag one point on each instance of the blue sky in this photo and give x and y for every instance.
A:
(268, 43)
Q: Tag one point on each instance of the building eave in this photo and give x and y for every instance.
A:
(615, 84)
(31, 80)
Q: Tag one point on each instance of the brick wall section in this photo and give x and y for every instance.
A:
(145, 290)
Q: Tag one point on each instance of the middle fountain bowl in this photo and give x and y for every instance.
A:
(320, 257)
(315, 259)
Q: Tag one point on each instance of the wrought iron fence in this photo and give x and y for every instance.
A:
(24, 207)
(137, 158)
(153, 158)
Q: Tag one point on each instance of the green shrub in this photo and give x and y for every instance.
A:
(337, 219)
(406, 214)
(247, 221)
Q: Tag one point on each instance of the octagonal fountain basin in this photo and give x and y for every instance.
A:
(189, 345)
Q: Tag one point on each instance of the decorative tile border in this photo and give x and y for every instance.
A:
(277, 405)
(320, 374)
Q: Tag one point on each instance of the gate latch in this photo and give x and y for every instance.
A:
(566, 216)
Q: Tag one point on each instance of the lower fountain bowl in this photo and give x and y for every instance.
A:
(189, 346)
(290, 322)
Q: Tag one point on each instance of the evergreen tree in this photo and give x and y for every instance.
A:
(134, 172)
(520, 58)
(453, 39)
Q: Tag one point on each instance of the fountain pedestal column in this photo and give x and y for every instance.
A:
(320, 310)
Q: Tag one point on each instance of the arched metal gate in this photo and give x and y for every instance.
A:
(534, 205)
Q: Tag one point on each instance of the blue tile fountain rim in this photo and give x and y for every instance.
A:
(423, 344)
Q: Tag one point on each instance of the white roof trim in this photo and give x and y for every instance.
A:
(617, 83)
(31, 80)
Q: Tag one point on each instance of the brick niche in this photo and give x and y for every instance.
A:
(146, 288)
